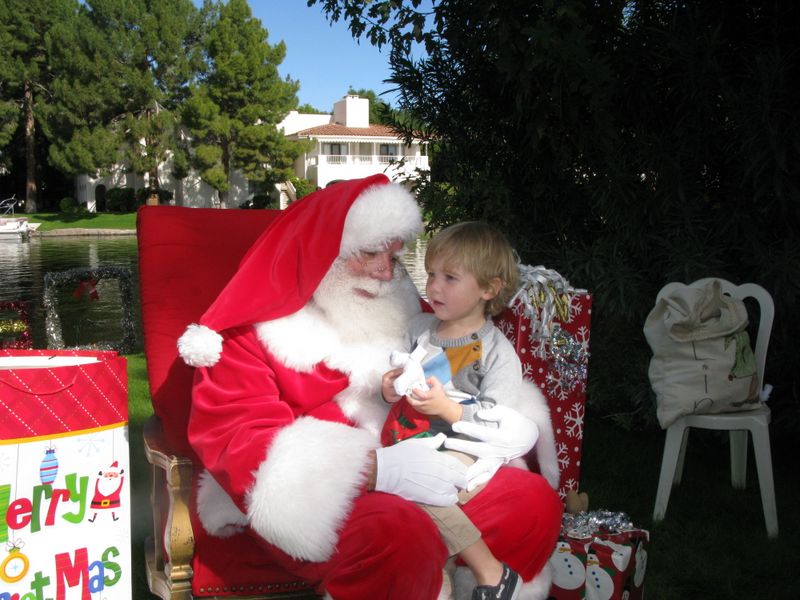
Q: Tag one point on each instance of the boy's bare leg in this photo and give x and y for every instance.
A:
(480, 560)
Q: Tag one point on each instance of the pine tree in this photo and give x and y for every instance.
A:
(233, 111)
(26, 79)
(123, 75)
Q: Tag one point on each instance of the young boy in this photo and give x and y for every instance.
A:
(469, 365)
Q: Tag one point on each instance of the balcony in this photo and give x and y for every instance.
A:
(373, 159)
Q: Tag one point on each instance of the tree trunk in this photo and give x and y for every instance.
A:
(31, 188)
(226, 167)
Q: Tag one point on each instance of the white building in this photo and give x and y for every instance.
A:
(346, 147)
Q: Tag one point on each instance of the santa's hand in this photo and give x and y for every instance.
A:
(481, 471)
(415, 470)
(513, 437)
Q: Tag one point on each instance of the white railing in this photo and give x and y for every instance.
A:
(368, 159)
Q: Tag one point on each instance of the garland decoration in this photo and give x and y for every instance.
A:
(85, 281)
(588, 524)
(15, 332)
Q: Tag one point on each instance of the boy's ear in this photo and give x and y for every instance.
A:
(495, 283)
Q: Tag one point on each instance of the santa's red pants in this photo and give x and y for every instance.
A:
(390, 549)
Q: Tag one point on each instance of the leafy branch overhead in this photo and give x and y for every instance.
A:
(625, 144)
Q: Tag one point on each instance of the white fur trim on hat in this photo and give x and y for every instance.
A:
(380, 214)
(200, 346)
(304, 490)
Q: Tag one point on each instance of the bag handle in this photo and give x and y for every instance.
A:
(27, 390)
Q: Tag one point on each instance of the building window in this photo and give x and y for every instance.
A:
(336, 149)
(387, 149)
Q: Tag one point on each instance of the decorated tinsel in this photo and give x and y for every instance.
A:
(568, 359)
(588, 524)
(15, 329)
(546, 298)
(86, 280)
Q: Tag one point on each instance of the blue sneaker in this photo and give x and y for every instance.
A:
(508, 588)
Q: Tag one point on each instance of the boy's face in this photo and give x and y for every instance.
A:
(455, 295)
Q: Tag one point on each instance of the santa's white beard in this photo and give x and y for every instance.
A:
(359, 319)
(107, 485)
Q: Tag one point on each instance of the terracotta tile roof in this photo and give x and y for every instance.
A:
(342, 130)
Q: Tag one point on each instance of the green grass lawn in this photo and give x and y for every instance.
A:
(83, 220)
(712, 544)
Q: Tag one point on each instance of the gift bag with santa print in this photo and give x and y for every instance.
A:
(65, 484)
(548, 322)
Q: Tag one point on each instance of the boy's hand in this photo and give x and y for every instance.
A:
(387, 386)
(434, 402)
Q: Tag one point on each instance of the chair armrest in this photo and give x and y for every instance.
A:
(170, 550)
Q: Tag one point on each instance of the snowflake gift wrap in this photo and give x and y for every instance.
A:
(548, 322)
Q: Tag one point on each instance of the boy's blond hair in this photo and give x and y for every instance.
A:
(482, 251)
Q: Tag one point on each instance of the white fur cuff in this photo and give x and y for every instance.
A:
(218, 513)
(304, 490)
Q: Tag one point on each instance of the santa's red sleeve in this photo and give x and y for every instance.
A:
(281, 457)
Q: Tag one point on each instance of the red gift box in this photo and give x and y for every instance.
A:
(605, 566)
(549, 325)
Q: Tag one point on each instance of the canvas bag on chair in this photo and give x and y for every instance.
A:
(702, 360)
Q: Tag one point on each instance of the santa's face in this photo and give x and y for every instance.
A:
(370, 268)
(368, 294)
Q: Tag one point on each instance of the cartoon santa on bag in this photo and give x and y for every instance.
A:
(107, 491)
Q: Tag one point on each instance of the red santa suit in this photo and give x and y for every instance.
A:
(108, 488)
(286, 411)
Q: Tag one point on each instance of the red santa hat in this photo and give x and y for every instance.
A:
(283, 268)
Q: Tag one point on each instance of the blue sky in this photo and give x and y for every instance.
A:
(324, 58)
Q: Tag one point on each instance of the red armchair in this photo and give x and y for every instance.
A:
(186, 255)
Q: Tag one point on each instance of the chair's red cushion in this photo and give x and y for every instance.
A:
(186, 256)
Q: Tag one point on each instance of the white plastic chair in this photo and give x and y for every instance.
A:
(736, 423)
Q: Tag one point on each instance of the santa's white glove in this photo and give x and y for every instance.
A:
(513, 437)
(415, 470)
(481, 471)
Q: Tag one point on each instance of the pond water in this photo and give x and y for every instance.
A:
(83, 320)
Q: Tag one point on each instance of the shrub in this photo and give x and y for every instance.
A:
(69, 205)
(142, 194)
(121, 200)
(259, 201)
(303, 187)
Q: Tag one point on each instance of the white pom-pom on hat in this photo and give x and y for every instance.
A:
(200, 346)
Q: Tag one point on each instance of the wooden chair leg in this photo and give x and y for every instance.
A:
(169, 551)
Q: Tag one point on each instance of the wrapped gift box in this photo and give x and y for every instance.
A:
(65, 477)
(549, 323)
(604, 565)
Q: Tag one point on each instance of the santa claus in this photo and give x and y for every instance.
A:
(287, 412)
(108, 491)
